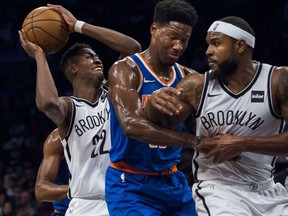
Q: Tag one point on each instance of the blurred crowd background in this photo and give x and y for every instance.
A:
(24, 129)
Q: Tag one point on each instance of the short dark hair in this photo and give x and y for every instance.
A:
(71, 52)
(240, 23)
(175, 10)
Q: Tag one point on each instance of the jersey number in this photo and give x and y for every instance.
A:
(99, 140)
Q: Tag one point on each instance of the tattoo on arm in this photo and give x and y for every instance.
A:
(282, 93)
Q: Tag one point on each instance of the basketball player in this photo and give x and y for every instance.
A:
(143, 178)
(244, 104)
(53, 175)
(83, 120)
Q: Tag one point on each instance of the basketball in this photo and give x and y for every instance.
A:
(46, 28)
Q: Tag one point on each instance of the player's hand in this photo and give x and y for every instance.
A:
(221, 148)
(67, 15)
(166, 100)
(30, 48)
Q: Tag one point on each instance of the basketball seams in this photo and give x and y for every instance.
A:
(44, 20)
(35, 21)
(36, 27)
(39, 13)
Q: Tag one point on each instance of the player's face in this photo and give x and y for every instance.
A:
(221, 57)
(89, 63)
(170, 41)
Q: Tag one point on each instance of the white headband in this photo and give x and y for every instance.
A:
(232, 31)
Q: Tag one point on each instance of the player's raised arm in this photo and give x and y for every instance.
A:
(47, 99)
(115, 40)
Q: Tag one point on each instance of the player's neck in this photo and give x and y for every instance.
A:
(239, 80)
(154, 63)
(90, 94)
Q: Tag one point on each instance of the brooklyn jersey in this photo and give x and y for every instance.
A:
(135, 153)
(86, 147)
(247, 113)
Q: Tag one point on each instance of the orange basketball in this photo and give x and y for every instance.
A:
(46, 28)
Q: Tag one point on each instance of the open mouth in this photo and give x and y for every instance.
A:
(98, 68)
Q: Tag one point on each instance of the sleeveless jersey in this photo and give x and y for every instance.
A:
(135, 153)
(86, 147)
(62, 178)
(247, 113)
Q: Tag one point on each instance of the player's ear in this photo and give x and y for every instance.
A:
(241, 46)
(71, 68)
(153, 29)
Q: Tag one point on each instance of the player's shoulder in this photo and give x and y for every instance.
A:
(280, 74)
(281, 69)
(193, 80)
(187, 70)
(54, 134)
(125, 62)
(125, 67)
(193, 75)
(53, 143)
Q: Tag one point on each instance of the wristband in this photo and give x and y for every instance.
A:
(78, 26)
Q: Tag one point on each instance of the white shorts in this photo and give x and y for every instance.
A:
(87, 207)
(225, 198)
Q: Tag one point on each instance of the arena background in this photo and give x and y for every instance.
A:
(24, 129)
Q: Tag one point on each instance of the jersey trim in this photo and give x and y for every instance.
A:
(126, 168)
(197, 191)
(180, 70)
(196, 165)
(71, 119)
(139, 73)
(205, 87)
(270, 94)
(139, 60)
(247, 88)
(270, 98)
(86, 101)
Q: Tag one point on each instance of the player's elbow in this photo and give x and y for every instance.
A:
(128, 130)
(128, 125)
(52, 111)
(45, 106)
(134, 127)
(136, 47)
(39, 193)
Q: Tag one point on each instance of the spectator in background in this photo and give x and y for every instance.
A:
(26, 206)
(8, 209)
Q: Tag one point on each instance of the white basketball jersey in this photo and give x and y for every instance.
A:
(247, 113)
(86, 147)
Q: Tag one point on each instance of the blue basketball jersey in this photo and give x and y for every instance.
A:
(151, 158)
(62, 179)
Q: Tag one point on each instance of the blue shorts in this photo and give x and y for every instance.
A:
(137, 194)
